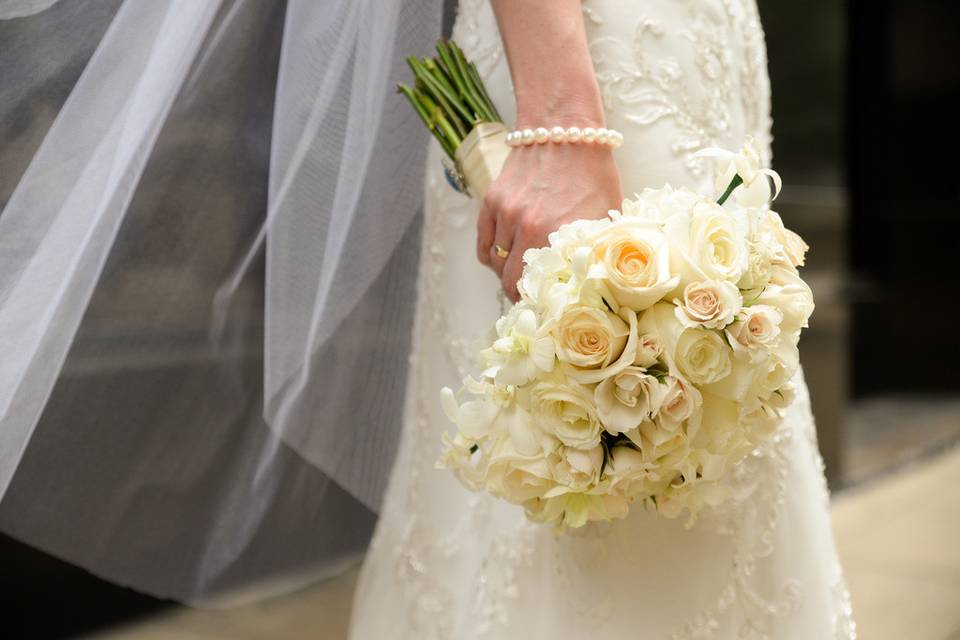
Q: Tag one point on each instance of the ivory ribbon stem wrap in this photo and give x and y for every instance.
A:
(481, 155)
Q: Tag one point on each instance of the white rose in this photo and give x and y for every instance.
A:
(663, 447)
(633, 259)
(649, 348)
(756, 327)
(567, 411)
(521, 349)
(517, 477)
(578, 469)
(788, 293)
(626, 399)
(594, 343)
(702, 356)
(794, 249)
(711, 304)
(720, 430)
(707, 244)
(775, 372)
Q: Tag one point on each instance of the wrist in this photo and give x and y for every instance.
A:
(573, 101)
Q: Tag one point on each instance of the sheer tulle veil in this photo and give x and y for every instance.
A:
(208, 254)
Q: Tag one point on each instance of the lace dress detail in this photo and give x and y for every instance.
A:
(676, 76)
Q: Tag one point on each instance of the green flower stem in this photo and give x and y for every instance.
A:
(471, 93)
(478, 81)
(736, 182)
(453, 70)
(417, 100)
(449, 138)
(463, 128)
(419, 108)
(448, 100)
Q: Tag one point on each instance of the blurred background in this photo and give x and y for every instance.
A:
(865, 133)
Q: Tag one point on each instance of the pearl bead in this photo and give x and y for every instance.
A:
(616, 139)
(527, 137)
(541, 135)
(574, 134)
(558, 134)
(509, 139)
(602, 136)
(589, 135)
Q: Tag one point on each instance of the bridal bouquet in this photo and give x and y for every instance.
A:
(650, 352)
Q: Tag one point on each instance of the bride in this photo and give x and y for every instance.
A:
(673, 77)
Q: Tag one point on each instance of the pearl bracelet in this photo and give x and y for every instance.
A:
(542, 135)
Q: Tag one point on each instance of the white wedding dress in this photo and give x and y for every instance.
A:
(448, 564)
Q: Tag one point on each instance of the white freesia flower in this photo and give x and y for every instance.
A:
(662, 204)
(521, 349)
(547, 279)
(627, 398)
(632, 258)
(578, 469)
(574, 510)
(711, 304)
(755, 190)
(760, 258)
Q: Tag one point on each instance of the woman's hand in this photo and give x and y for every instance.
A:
(541, 188)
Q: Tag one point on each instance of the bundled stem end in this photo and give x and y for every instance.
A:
(448, 95)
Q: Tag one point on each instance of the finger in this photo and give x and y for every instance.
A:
(486, 224)
(512, 270)
(501, 250)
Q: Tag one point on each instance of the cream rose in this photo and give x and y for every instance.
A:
(649, 349)
(590, 338)
(633, 260)
(702, 356)
(680, 402)
(711, 304)
(626, 399)
(595, 343)
(756, 327)
(566, 410)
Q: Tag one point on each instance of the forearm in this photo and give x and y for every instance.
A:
(553, 77)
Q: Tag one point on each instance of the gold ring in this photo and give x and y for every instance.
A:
(501, 252)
